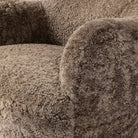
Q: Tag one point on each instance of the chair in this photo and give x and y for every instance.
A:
(68, 69)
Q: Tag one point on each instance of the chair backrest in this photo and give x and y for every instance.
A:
(53, 21)
(64, 16)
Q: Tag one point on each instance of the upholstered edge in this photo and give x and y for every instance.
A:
(86, 74)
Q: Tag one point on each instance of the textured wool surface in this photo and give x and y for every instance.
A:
(64, 16)
(99, 70)
(31, 103)
(96, 95)
(53, 21)
(22, 22)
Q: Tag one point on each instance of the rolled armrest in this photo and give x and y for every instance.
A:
(99, 70)
(22, 22)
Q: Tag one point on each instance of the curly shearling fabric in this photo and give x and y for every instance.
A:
(64, 16)
(96, 95)
(22, 22)
(31, 102)
(99, 70)
(53, 21)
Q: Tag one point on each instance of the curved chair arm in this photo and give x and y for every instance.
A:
(99, 69)
(22, 22)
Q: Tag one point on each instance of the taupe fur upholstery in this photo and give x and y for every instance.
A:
(87, 89)
(64, 16)
(31, 102)
(22, 22)
(53, 21)
(99, 70)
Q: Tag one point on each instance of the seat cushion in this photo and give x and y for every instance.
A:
(99, 70)
(31, 103)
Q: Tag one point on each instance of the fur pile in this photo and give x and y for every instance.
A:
(64, 16)
(31, 102)
(53, 21)
(22, 22)
(99, 70)
(87, 89)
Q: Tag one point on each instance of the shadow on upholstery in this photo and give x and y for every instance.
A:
(22, 22)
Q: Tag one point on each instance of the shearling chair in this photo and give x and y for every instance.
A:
(87, 89)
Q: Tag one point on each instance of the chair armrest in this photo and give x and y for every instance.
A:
(22, 22)
(99, 70)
